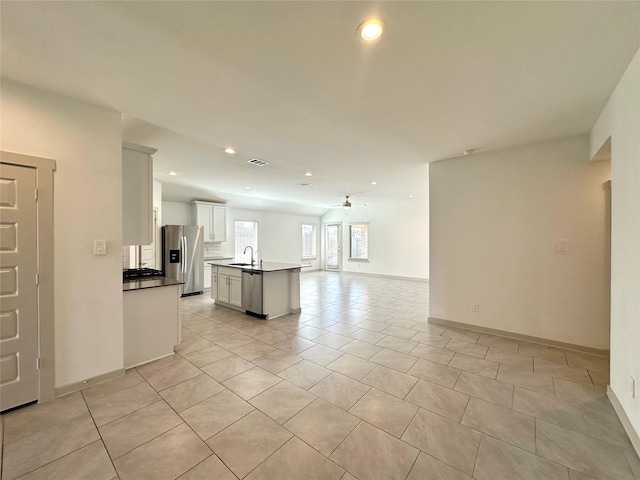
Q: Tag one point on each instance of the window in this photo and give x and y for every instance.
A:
(308, 241)
(358, 241)
(246, 234)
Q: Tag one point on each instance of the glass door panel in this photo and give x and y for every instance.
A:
(332, 246)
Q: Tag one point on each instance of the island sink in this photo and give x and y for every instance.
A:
(264, 289)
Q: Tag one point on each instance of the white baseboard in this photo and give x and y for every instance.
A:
(381, 275)
(89, 382)
(626, 423)
(518, 336)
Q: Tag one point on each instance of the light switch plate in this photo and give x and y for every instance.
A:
(99, 247)
(562, 245)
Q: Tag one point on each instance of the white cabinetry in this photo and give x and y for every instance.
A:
(229, 282)
(151, 323)
(219, 223)
(213, 218)
(207, 275)
(235, 291)
(280, 287)
(214, 283)
(203, 218)
(137, 194)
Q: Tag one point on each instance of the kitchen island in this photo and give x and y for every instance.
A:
(264, 289)
(151, 315)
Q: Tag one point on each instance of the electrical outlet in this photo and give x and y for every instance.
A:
(475, 307)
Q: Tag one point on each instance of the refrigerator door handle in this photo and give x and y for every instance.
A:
(184, 255)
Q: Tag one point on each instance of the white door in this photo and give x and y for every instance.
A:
(332, 246)
(19, 383)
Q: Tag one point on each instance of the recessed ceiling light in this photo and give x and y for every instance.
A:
(303, 184)
(410, 196)
(374, 183)
(308, 174)
(172, 173)
(469, 151)
(370, 30)
(247, 188)
(229, 150)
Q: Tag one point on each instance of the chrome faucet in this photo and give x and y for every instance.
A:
(259, 252)
(245, 251)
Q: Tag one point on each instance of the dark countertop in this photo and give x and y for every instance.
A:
(261, 266)
(151, 282)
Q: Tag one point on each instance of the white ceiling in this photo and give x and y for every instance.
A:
(289, 82)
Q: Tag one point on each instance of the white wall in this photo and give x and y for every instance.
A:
(85, 142)
(398, 236)
(496, 218)
(621, 121)
(175, 213)
(279, 234)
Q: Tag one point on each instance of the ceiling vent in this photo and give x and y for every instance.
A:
(303, 184)
(257, 162)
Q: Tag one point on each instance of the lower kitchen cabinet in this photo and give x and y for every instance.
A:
(151, 323)
(214, 283)
(235, 291)
(223, 288)
(207, 275)
(279, 288)
(229, 286)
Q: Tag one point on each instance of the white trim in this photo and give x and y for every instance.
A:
(139, 148)
(323, 244)
(380, 275)
(358, 259)
(626, 423)
(315, 231)
(89, 382)
(45, 168)
(519, 336)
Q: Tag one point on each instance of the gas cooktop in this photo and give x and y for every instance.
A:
(138, 273)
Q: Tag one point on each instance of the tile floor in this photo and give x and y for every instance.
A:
(358, 386)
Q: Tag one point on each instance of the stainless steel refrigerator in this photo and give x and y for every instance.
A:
(183, 256)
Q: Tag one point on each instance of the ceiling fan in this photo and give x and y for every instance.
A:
(347, 204)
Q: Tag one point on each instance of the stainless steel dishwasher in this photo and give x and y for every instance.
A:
(252, 293)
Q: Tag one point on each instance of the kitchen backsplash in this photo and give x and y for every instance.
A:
(212, 250)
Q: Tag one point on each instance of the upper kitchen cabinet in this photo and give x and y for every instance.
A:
(213, 218)
(137, 194)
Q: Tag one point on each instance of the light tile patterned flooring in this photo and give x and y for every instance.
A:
(359, 385)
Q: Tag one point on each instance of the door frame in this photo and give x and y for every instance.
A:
(45, 168)
(324, 243)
